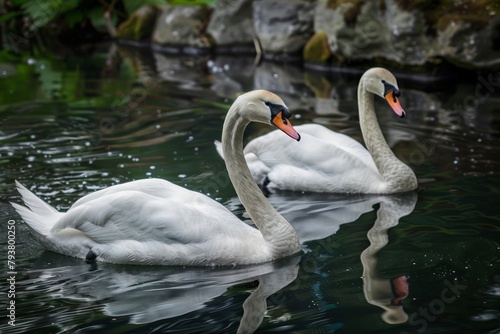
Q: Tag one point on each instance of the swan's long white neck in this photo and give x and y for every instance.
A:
(277, 232)
(399, 177)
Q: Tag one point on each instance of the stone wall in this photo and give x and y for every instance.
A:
(330, 32)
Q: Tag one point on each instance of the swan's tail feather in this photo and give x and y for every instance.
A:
(218, 147)
(39, 215)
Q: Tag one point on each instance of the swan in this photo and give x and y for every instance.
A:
(326, 161)
(155, 222)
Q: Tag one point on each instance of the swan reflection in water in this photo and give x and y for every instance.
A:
(148, 294)
(385, 293)
(317, 216)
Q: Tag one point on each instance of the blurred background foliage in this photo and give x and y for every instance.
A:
(28, 24)
(41, 43)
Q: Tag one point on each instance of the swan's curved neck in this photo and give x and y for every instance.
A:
(393, 171)
(277, 232)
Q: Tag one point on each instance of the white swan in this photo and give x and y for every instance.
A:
(326, 161)
(153, 221)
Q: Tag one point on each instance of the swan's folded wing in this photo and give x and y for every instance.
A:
(136, 215)
(345, 152)
(320, 151)
(154, 187)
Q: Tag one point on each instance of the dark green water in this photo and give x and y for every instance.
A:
(71, 126)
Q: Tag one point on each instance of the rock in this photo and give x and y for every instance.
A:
(283, 26)
(393, 33)
(182, 26)
(139, 26)
(231, 23)
(466, 33)
(466, 46)
(407, 38)
(360, 31)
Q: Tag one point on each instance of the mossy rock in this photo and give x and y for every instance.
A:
(139, 26)
(182, 26)
(317, 49)
(351, 14)
(440, 14)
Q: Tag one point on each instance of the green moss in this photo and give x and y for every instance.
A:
(317, 49)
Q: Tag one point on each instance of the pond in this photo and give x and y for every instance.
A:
(421, 262)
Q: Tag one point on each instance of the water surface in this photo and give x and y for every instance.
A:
(422, 262)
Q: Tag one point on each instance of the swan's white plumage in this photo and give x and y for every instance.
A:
(149, 221)
(153, 221)
(332, 160)
(327, 161)
(323, 160)
(40, 215)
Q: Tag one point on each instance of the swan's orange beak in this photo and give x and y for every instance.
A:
(394, 103)
(284, 125)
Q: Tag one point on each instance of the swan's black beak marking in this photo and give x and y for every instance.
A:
(277, 108)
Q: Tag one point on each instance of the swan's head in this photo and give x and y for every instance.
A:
(265, 107)
(381, 82)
